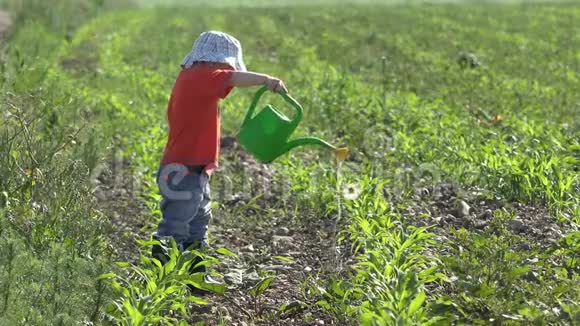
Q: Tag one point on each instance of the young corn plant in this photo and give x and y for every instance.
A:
(393, 267)
(499, 276)
(388, 283)
(257, 292)
(155, 293)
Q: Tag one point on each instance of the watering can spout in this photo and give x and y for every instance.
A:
(306, 141)
(341, 153)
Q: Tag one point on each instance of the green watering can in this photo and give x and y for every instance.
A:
(266, 135)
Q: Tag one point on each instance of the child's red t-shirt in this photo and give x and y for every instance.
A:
(194, 117)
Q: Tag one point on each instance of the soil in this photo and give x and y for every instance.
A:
(447, 206)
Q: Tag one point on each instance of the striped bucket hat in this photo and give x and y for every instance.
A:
(214, 46)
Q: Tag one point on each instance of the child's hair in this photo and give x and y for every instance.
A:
(215, 47)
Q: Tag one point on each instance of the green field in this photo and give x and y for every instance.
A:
(459, 202)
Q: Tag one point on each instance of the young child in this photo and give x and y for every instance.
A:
(209, 72)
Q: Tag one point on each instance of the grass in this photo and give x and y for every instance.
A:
(385, 80)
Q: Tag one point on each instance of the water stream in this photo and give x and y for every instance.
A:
(334, 250)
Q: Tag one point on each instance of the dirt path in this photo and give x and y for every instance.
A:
(5, 24)
(295, 250)
(260, 246)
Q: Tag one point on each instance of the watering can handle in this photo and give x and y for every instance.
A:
(295, 105)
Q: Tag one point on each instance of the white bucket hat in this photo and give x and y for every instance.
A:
(214, 46)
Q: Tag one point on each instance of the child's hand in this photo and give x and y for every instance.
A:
(276, 85)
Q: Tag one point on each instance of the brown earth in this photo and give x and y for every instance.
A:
(447, 206)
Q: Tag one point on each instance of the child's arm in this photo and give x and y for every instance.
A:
(247, 79)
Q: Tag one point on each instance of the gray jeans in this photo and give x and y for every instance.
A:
(185, 204)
